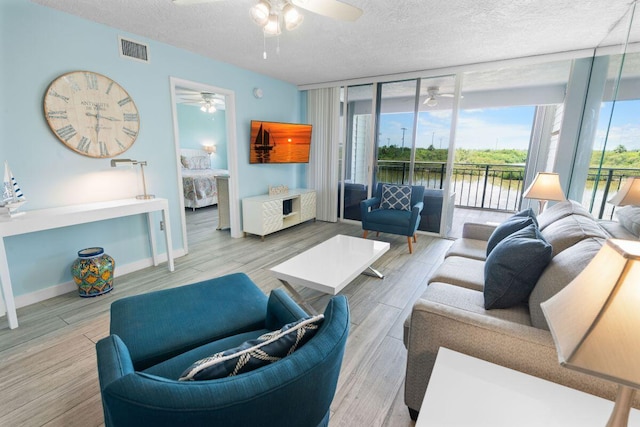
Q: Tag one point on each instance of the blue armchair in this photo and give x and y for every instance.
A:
(155, 336)
(394, 221)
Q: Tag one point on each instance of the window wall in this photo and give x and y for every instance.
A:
(575, 115)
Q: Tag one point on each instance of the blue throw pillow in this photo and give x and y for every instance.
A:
(396, 197)
(528, 213)
(513, 268)
(253, 354)
(509, 226)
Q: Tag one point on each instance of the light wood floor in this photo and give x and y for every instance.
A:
(48, 371)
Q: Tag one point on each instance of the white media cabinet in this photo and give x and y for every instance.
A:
(262, 215)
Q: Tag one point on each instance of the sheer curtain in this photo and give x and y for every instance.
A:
(323, 112)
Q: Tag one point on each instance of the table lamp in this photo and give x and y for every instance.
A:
(595, 322)
(629, 193)
(546, 186)
(209, 149)
(145, 196)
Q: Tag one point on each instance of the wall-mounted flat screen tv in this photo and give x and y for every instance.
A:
(273, 142)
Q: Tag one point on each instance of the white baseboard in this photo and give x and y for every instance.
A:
(63, 288)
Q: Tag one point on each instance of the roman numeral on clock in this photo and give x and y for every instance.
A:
(62, 114)
(84, 144)
(130, 117)
(57, 95)
(66, 132)
(130, 132)
(72, 83)
(124, 101)
(103, 149)
(120, 144)
(109, 88)
(92, 81)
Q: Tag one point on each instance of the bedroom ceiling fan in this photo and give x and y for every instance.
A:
(433, 93)
(273, 15)
(209, 102)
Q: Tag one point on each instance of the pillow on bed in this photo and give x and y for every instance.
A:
(196, 162)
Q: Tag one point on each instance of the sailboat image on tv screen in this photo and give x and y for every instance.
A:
(12, 196)
(263, 145)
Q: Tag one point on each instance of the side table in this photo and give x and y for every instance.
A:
(465, 391)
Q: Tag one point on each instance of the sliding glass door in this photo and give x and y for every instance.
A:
(356, 150)
(398, 132)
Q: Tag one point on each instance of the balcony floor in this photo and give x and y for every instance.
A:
(462, 215)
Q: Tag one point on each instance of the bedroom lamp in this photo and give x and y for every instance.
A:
(209, 149)
(145, 196)
(595, 321)
(629, 194)
(546, 186)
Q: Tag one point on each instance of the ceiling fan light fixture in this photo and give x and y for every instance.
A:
(431, 101)
(208, 108)
(272, 27)
(292, 18)
(260, 13)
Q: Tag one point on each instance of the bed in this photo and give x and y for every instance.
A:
(199, 179)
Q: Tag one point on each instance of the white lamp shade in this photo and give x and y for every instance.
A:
(209, 149)
(629, 193)
(595, 319)
(260, 13)
(292, 18)
(546, 186)
(272, 27)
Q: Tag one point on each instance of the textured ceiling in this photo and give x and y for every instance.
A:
(390, 37)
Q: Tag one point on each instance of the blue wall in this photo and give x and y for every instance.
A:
(197, 129)
(38, 45)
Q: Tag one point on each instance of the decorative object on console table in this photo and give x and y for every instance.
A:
(629, 194)
(278, 190)
(594, 322)
(12, 196)
(546, 186)
(93, 272)
(144, 196)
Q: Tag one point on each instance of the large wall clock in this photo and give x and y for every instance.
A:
(91, 114)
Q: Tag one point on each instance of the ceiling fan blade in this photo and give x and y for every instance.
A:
(332, 8)
(188, 2)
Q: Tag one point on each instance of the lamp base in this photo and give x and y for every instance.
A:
(542, 204)
(620, 415)
(145, 197)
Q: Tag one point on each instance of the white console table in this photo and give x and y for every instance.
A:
(465, 391)
(46, 219)
(266, 214)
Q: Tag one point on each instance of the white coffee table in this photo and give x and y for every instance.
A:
(331, 265)
(465, 391)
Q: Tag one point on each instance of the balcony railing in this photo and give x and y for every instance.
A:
(499, 187)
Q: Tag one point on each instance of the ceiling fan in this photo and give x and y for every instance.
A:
(209, 102)
(331, 8)
(433, 93)
(273, 15)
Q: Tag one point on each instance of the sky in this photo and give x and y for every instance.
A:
(500, 128)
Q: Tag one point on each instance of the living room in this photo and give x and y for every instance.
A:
(51, 175)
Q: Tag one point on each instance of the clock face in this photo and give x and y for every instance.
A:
(91, 114)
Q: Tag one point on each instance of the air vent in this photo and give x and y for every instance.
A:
(134, 50)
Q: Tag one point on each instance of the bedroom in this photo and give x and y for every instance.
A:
(202, 140)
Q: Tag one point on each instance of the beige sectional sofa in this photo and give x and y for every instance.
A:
(451, 312)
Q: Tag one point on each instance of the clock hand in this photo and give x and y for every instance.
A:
(113, 119)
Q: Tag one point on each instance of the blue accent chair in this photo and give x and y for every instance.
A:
(403, 223)
(156, 336)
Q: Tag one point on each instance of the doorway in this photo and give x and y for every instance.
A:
(219, 147)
